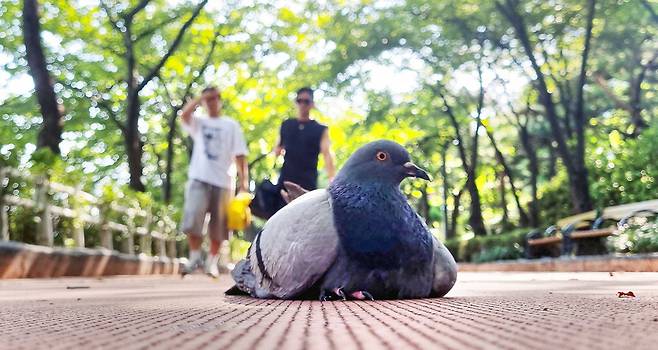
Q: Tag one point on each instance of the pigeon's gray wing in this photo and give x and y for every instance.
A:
(296, 247)
(445, 270)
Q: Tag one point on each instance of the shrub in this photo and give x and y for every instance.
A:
(453, 247)
(489, 248)
(639, 236)
(555, 199)
(624, 170)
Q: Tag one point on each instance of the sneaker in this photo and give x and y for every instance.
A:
(191, 266)
(212, 270)
(226, 268)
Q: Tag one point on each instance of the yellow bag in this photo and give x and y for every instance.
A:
(238, 215)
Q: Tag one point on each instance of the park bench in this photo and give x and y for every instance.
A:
(583, 234)
(545, 243)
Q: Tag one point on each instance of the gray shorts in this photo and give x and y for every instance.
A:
(202, 198)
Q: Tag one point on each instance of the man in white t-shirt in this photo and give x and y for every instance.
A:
(218, 143)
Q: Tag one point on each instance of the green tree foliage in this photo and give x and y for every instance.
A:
(454, 81)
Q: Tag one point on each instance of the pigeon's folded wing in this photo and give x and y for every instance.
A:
(296, 247)
(445, 270)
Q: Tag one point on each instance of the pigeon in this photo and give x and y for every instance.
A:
(358, 239)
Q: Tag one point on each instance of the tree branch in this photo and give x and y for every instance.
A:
(455, 124)
(649, 8)
(603, 84)
(515, 19)
(579, 111)
(478, 118)
(156, 27)
(203, 67)
(110, 113)
(108, 12)
(135, 10)
(173, 47)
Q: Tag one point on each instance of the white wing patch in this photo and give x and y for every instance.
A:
(297, 245)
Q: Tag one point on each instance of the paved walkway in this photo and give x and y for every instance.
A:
(485, 310)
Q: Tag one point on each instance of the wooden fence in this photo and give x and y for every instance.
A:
(87, 210)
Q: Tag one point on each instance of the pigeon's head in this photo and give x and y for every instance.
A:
(380, 161)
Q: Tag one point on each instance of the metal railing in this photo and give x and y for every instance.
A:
(85, 209)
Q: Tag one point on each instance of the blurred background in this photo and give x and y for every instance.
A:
(524, 112)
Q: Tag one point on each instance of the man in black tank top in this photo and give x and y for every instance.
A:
(303, 139)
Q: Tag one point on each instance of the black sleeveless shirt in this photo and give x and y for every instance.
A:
(301, 140)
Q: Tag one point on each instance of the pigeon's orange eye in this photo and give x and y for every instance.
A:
(382, 156)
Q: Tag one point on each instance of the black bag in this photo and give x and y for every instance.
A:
(267, 200)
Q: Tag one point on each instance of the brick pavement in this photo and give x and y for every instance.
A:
(485, 310)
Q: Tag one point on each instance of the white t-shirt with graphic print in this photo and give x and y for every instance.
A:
(217, 141)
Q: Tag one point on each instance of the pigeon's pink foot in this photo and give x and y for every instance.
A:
(334, 294)
(362, 295)
(340, 293)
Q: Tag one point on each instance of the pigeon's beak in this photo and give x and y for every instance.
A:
(412, 170)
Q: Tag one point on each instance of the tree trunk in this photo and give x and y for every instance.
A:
(579, 187)
(444, 173)
(551, 169)
(579, 177)
(533, 168)
(134, 143)
(166, 190)
(503, 201)
(454, 216)
(424, 205)
(507, 171)
(649, 8)
(635, 100)
(172, 121)
(131, 132)
(573, 162)
(475, 220)
(50, 134)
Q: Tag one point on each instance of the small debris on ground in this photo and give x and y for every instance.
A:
(628, 294)
(611, 274)
(77, 287)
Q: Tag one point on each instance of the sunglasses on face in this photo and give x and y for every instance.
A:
(303, 101)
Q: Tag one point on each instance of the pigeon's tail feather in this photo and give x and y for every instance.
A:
(235, 290)
(243, 277)
(245, 281)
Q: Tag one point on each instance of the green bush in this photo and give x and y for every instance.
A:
(498, 253)
(624, 170)
(621, 170)
(489, 248)
(453, 247)
(639, 236)
(555, 200)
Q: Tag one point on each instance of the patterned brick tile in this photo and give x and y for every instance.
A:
(484, 311)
